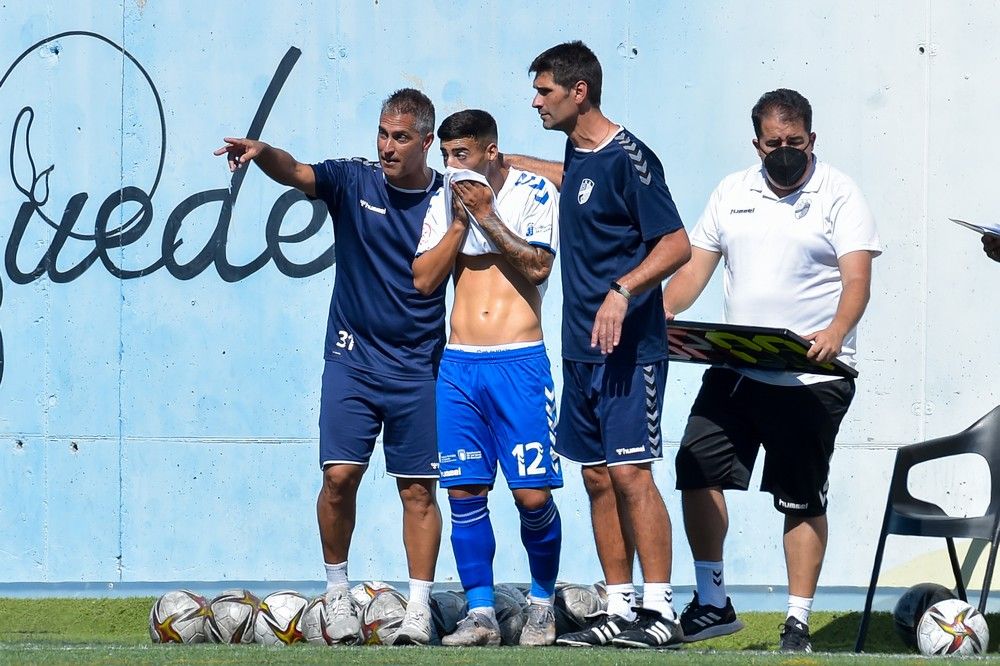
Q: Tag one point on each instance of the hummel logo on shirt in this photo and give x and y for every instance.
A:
(740, 211)
(374, 209)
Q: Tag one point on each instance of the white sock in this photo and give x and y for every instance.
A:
(621, 599)
(487, 612)
(799, 608)
(711, 584)
(659, 597)
(336, 579)
(540, 601)
(420, 591)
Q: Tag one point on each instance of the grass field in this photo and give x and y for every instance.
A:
(113, 631)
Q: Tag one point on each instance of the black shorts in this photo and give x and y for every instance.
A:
(733, 416)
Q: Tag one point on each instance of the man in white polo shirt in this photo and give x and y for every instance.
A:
(798, 242)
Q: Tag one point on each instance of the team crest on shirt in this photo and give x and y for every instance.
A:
(802, 208)
(586, 187)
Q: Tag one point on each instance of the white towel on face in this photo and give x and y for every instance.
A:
(476, 240)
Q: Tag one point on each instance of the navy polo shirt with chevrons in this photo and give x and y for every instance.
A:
(614, 205)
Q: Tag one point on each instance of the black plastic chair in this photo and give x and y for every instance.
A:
(906, 515)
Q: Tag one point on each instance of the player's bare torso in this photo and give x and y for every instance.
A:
(494, 303)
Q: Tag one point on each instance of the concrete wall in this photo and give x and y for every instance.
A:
(162, 356)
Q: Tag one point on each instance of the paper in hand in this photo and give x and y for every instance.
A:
(991, 230)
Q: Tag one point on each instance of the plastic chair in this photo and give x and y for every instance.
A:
(906, 515)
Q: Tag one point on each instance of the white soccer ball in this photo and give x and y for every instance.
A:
(233, 614)
(279, 620)
(314, 622)
(510, 606)
(364, 592)
(602, 593)
(382, 616)
(573, 604)
(178, 617)
(952, 626)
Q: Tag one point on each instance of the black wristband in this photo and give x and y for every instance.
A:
(615, 286)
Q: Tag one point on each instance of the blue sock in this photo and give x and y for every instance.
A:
(541, 534)
(475, 545)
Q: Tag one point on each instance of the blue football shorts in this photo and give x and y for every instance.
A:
(497, 406)
(355, 405)
(610, 414)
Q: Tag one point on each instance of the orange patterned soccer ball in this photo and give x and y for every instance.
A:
(279, 620)
(232, 618)
(952, 626)
(179, 617)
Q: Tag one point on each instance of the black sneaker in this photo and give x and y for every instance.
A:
(602, 629)
(701, 621)
(794, 637)
(650, 630)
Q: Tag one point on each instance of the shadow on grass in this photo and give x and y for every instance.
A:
(840, 631)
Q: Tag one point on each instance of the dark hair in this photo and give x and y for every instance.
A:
(788, 104)
(472, 124)
(570, 63)
(415, 103)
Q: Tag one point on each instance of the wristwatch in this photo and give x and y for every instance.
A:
(621, 290)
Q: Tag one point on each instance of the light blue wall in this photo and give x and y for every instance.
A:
(161, 429)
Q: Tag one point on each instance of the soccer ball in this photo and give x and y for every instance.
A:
(911, 607)
(602, 594)
(314, 622)
(573, 604)
(178, 617)
(364, 592)
(510, 606)
(382, 616)
(952, 626)
(232, 617)
(447, 608)
(279, 620)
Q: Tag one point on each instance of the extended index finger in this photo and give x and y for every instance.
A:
(231, 143)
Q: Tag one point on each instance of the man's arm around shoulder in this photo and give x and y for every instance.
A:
(551, 171)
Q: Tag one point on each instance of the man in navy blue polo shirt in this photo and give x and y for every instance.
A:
(621, 237)
(383, 343)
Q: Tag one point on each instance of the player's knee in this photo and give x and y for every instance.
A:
(531, 499)
(596, 480)
(630, 480)
(340, 482)
(417, 494)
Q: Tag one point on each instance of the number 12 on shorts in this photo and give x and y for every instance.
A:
(535, 467)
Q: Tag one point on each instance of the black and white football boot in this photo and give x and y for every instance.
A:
(794, 637)
(650, 630)
(601, 630)
(700, 621)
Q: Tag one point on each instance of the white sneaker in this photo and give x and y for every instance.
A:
(540, 626)
(342, 622)
(416, 627)
(474, 629)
